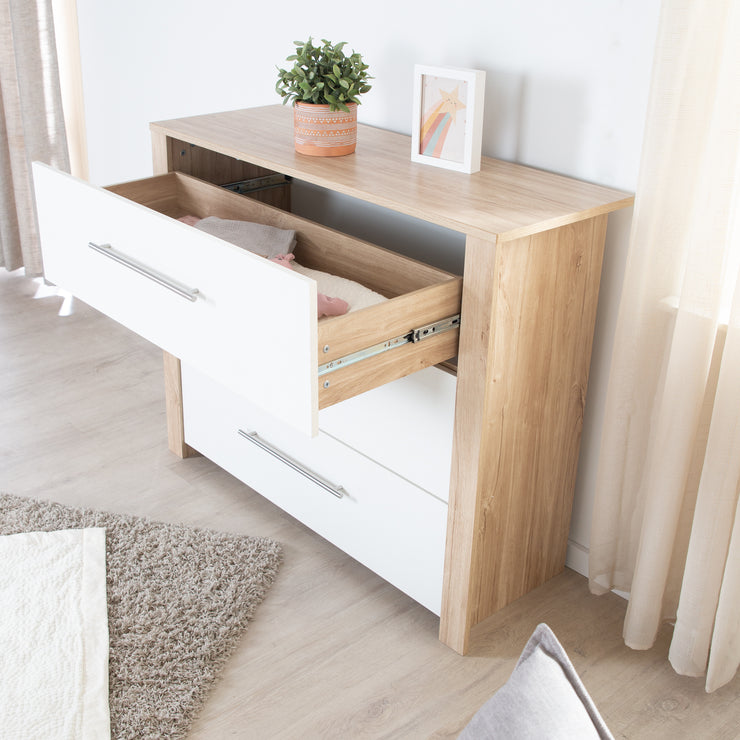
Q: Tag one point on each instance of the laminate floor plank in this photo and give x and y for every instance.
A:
(334, 651)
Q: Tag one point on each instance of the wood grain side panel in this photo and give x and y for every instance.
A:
(548, 293)
(476, 330)
(516, 454)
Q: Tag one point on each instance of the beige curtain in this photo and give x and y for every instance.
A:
(666, 525)
(31, 123)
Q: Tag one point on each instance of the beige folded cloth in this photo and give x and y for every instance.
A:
(268, 241)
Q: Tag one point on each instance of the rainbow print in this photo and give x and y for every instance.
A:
(438, 121)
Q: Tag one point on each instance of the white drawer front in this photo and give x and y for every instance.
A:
(252, 325)
(394, 528)
(406, 426)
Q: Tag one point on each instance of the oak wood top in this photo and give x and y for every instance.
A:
(503, 200)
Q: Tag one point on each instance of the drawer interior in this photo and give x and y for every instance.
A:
(318, 247)
(418, 294)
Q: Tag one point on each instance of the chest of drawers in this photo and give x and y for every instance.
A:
(455, 484)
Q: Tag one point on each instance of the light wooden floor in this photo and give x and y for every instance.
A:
(334, 652)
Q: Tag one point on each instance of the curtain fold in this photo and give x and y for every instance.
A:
(31, 124)
(666, 525)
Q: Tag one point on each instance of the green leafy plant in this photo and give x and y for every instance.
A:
(323, 74)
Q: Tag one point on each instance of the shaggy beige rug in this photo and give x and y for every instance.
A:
(179, 599)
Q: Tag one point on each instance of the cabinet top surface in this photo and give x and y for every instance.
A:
(503, 200)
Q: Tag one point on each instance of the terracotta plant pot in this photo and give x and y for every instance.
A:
(320, 132)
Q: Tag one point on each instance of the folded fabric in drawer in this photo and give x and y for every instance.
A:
(267, 241)
(356, 295)
(336, 295)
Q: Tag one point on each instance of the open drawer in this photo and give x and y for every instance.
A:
(242, 320)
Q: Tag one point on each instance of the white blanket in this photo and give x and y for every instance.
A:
(356, 294)
(54, 635)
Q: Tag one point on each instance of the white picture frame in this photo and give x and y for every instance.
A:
(447, 125)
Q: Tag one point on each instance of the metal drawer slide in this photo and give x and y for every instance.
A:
(412, 337)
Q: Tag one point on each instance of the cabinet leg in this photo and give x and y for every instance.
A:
(173, 403)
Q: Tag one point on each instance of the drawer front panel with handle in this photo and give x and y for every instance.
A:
(232, 328)
(393, 527)
(249, 323)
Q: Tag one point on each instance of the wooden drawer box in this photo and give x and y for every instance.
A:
(244, 321)
(381, 519)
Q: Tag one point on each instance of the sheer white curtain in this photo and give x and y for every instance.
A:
(31, 123)
(666, 523)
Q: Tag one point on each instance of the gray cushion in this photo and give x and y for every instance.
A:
(543, 698)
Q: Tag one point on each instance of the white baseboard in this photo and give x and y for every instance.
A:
(576, 558)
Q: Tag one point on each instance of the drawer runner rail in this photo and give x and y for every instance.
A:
(412, 337)
(258, 183)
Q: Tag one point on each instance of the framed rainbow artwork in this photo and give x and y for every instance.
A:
(447, 126)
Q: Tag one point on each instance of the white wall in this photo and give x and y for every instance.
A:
(566, 90)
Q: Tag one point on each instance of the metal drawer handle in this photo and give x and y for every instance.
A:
(253, 437)
(182, 290)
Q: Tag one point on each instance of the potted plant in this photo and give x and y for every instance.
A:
(324, 86)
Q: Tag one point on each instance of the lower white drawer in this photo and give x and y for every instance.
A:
(406, 426)
(390, 525)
